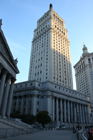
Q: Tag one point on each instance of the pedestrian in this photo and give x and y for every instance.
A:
(89, 136)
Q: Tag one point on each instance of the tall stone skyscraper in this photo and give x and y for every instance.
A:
(84, 74)
(50, 55)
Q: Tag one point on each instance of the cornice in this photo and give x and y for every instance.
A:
(2, 34)
(50, 28)
(15, 69)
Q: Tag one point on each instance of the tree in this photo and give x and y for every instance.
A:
(43, 118)
(26, 118)
(29, 119)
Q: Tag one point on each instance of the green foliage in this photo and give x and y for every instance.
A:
(29, 119)
(43, 117)
(15, 115)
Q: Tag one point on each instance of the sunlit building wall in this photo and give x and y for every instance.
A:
(84, 72)
(50, 55)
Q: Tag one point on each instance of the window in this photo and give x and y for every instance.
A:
(37, 102)
(25, 85)
(38, 84)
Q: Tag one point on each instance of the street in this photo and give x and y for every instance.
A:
(46, 135)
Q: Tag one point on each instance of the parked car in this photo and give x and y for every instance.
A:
(62, 125)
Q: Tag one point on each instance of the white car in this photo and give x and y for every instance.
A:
(62, 125)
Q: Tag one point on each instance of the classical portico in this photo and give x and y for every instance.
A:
(8, 71)
(63, 104)
(69, 111)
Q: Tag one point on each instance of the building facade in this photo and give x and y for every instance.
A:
(84, 74)
(50, 55)
(63, 104)
(49, 86)
(8, 71)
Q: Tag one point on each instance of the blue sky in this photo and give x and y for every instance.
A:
(19, 18)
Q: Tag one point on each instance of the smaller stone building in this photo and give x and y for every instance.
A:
(84, 75)
(8, 71)
(63, 104)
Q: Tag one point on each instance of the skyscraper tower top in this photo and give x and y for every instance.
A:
(50, 55)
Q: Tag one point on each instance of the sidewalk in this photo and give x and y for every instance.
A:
(74, 136)
(46, 135)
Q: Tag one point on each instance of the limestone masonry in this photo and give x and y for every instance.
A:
(49, 86)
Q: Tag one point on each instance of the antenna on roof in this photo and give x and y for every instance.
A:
(50, 6)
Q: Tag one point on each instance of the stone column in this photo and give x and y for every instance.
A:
(64, 110)
(53, 115)
(57, 114)
(34, 99)
(83, 114)
(61, 117)
(87, 114)
(71, 112)
(3, 78)
(0, 68)
(5, 96)
(22, 104)
(17, 100)
(74, 113)
(68, 112)
(10, 98)
(27, 102)
(80, 114)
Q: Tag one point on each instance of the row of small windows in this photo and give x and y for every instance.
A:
(59, 30)
(89, 60)
(42, 38)
(31, 84)
(57, 19)
(45, 16)
(42, 29)
(82, 65)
